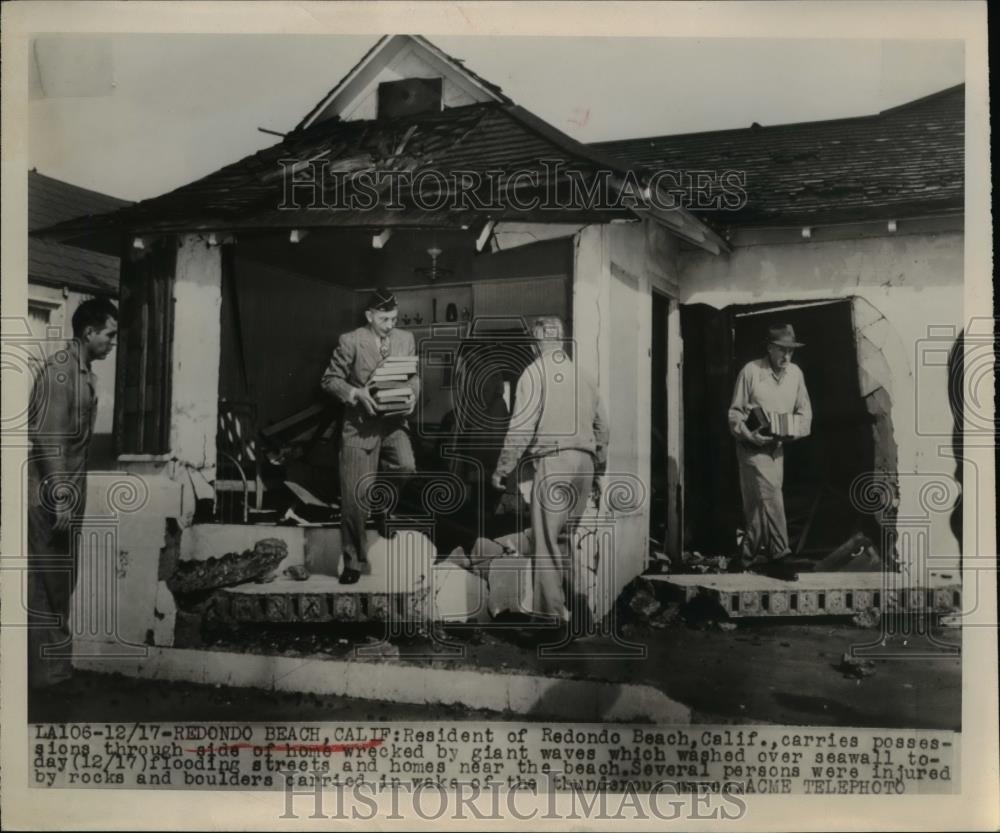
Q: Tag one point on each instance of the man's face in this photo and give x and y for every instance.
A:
(382, 322)
(779, 356)
(98, 343)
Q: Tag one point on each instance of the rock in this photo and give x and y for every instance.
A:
(643, 602)
(856, 667)
(229, 569)
(379, 649)
(868, 618)
(727, 626)
(668, 615)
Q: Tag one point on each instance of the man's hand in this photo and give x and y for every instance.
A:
(411, 403)
(497, 482)
(760, 440)
(364, 396)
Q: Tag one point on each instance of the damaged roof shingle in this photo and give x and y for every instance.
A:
(905, 161)
(248, 194)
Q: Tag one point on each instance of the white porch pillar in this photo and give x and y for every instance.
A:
(197, 344)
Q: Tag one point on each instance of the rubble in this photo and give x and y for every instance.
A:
(856, 555)
(229, 569)
(869, 618)
(669, 615)
(855, 667)
(643, 602)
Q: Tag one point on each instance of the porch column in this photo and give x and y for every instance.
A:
(197, 344)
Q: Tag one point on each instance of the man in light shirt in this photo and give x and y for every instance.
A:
(775, 385)
(558, 426)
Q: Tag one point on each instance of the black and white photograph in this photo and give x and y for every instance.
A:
(405, 402)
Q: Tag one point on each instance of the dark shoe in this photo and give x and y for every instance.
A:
(350, 576)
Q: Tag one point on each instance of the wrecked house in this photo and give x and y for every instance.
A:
(235, 288)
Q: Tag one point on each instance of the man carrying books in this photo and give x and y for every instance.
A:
(373, 371)
(770, 407)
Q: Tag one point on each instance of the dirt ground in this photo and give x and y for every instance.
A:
(755, 673)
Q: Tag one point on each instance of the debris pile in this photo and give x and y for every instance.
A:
(869, 618)
(695, 562)
(855, 667)
(856, 555)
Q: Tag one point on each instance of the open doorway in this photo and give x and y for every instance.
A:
(819, 469)
(659, 491)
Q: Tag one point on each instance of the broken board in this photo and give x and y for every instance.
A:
(818, 594)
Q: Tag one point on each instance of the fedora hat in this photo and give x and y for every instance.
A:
(783, 335)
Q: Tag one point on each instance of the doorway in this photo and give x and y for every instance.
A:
(819, 469)
(658, 477)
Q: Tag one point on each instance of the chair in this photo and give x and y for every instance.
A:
(238, 468)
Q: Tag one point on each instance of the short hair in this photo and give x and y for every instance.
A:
(93, 313)
(550, 327)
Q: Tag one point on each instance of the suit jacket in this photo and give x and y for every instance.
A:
(351, 366)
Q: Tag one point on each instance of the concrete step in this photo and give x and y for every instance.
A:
(819, 594)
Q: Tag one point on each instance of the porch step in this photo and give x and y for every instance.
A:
(819, 594)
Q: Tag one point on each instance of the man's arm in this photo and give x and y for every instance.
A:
(51, 424)
(527, 411)
(50, 420)
(803, 408)
(410, 349)
(739, 407)
(336, 378)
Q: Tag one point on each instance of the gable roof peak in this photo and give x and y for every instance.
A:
(395, 56)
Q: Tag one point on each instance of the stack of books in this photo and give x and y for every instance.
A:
(774, 424)
(388, 386)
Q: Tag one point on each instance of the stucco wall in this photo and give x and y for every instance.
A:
(617, 268)
(916, 283)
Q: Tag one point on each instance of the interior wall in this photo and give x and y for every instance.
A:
(914, 287)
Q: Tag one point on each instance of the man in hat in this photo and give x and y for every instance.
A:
(369, 440)
(775, 385)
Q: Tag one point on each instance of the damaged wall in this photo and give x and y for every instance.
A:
(617, 268)
(909, 293)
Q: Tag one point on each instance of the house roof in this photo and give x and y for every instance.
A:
(905, 161)
(491, 136)
(52, 201)
(389, 44)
